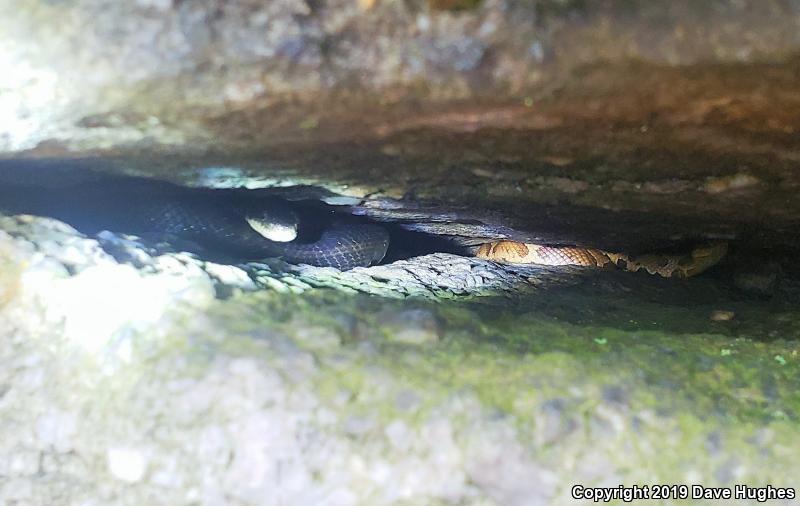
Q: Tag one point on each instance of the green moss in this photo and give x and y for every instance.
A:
(454, 5)
(631, 390)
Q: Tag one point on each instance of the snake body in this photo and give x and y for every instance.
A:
(665, 265)
(208, 217)
(218, 220)
(340, 245)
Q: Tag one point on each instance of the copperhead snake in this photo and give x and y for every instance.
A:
(665, 265)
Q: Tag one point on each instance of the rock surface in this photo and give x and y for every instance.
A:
(101, 73)
(134, 373)
(136, 385)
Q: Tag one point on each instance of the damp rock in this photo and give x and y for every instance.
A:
(99, 300)
(721, 315)
(316, 337)
(762, 280)
(411, 326)
(440, 276)
(733, 182)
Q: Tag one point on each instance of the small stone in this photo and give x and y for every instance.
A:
(229, 275)
(127, 464)
(553, 422)
(158, 5)
(558, 161)
(72, 255)
(16, 491)
(412, 326)
(762, 280)
(399, 435)
(407, 401)
(316, 337)
(728, 183)
(722, 316)
(56, 429)
(358, 425)
(567, 185)
(341, 200)
(22, 463)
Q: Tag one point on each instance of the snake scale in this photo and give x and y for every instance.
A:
(665, 265)
(257, 229)
(226, 222)
(235, 227)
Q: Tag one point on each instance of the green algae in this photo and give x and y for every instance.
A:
(652, 401)
(491, 354)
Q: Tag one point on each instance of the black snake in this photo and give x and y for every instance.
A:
(235, 223)
(245, 229)
(228, 221)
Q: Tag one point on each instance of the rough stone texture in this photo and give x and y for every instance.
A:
(102, 73)
(148, 390)
(437, 276)
(132, 374)
(591, 123)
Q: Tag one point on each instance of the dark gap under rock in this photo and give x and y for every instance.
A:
(89, 195)
(164, 212)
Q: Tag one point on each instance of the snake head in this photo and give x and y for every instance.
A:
(274, 223)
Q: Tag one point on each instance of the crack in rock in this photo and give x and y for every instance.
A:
(433, 276)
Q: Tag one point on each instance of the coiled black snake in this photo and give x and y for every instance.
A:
(228, 221)
(248, 230)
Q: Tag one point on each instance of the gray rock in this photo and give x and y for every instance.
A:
(439, 275)
(762, 280)
(411, 326)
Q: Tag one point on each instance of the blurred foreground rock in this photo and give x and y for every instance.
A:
(132, 384)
